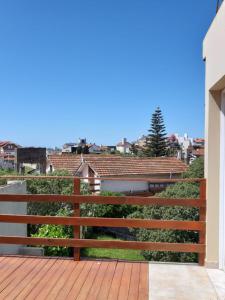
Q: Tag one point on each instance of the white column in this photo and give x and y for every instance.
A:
(222, 186)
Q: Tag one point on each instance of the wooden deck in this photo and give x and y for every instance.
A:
(57, 278)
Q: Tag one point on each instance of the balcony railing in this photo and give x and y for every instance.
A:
(76, 199)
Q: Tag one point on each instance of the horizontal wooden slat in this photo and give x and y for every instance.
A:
(105, 222)
(105, 200)
(85, 243)
(144, 179)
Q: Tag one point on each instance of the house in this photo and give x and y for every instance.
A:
(65, 161)
(8, 154)
(141, 142)
(114, 166)
(94, 149)
(8, 148)
(73, 147)
(123, 146)
(214, 57)
(108, 149)
(199, 143)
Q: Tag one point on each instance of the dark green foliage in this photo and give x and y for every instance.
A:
(196, 169)
(156, 144)
(49, 186)
(79, 150)
(107, 210)
(178, 190)
(134, 149)
(85, 149)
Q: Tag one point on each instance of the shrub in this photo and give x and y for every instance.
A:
(107, 210)
(178, 190)
(56, 231)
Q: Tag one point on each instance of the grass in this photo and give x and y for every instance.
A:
(112, 253)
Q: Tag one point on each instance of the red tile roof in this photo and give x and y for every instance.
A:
(5, 143)
(113, 165)
(199, 140)
(69, 162)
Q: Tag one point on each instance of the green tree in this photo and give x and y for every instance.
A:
(178, 190)
(156, 144)
(134, 149)
(196, 169)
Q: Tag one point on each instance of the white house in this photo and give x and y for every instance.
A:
(123, 146)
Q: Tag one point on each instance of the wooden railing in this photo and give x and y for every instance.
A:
(78, 221)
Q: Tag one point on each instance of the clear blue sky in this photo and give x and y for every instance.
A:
(99, 68)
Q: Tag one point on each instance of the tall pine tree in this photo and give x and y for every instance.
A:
(156, 144)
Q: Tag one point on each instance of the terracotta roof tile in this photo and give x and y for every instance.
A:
(113, 165)
(69, 162)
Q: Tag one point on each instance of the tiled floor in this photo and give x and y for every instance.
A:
(185, 282)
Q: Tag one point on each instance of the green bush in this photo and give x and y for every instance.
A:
(178, 190)
(4, 172)
(56, 231)
(107, 210)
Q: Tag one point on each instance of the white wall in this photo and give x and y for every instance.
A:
(123, 186)
(13, 187)
(214, 55)
(123, 149)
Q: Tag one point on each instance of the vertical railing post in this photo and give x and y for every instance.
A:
(202, 217)
(76, 208)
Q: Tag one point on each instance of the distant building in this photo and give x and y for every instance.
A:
(8, 154)
(94, 149)
(198, 143)
(141, 142)
(108, 149)
(73, 147)
(123, 146)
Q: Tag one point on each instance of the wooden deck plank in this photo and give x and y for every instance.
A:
(43, 283)
(89, 281)
(134, 282)
(53, 279)
(62, 280)
(125, 282)
(93, 293)
(13, 265)
(39, 264)
(13, 277)
(48, 263)
(58, 278)
(2, 258)
(107, 281)
(17, 277)
(144, 281)
(71, 280)
(74, 292)
(115, 285)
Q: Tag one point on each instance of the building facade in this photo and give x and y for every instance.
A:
(214, 56)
